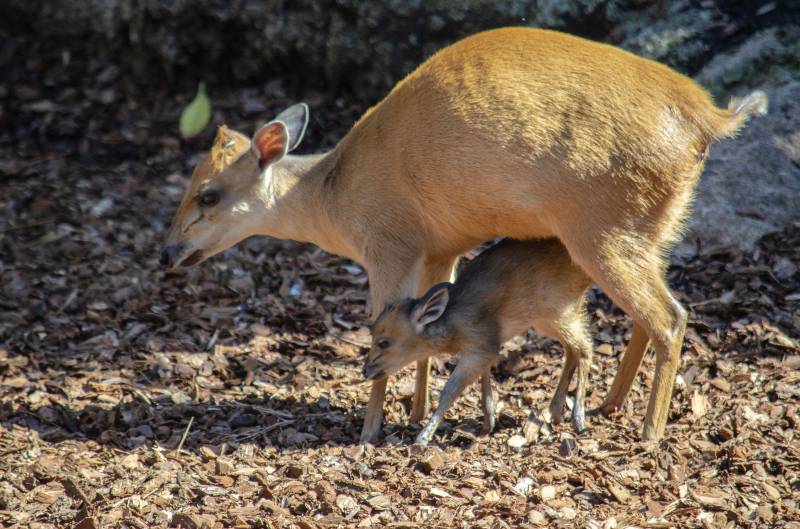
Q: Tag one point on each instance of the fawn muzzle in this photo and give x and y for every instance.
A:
(372, 371)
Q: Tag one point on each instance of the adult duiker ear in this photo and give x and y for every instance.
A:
(270, 143)
(281, 135)
(430, 307)
(296, 119)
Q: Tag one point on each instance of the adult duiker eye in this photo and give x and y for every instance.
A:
(209, 198)
(384, 344)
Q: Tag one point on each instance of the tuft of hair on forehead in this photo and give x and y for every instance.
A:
(402, 306)
(228, 147)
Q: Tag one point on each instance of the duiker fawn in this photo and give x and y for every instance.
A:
(513, 132)
(505, 291)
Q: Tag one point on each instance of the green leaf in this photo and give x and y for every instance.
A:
(197, 114)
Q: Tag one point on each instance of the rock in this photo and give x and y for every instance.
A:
(547, 493)
(363, 47)
(679, 36)
(524, 485)
(767, 57)
(784, 269)
(517, 441)
(431, 460)
(751, 183)
(346, 504)
(537, 518)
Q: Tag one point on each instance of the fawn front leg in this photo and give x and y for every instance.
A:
(487, 402)
(469, 368)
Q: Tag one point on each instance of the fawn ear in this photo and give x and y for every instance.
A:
(270, 143)
(430, 307)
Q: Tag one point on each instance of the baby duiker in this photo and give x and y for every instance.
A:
(505, 291)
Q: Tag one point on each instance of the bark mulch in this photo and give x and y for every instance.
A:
(230, 395)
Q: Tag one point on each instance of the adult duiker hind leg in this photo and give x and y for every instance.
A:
(624, 255)
(626, 373)
(632, 278)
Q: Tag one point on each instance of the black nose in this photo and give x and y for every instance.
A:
(370, 374)
(169, 254)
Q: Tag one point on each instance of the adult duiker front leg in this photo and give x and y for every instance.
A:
(431, 274)
(406, 275)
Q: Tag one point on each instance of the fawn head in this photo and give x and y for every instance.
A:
(230, 189)
(401, 334)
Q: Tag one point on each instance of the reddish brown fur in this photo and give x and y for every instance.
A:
(512, 132)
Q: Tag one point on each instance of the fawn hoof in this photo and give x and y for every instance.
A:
(579, 416)
(607, 409)
(422, 440)
(369, 434)
(580, 422)
(488, 426)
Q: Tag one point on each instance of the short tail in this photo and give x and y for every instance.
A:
(739, 110)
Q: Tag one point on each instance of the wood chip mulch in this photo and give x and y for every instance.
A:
(230, 395)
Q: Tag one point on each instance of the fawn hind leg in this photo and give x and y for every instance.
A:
(572, 332)
(559, 399)
(487, 403)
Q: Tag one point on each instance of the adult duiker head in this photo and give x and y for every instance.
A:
(230, 189)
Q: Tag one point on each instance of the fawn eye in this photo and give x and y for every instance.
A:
(384, 344)
(208, 199)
